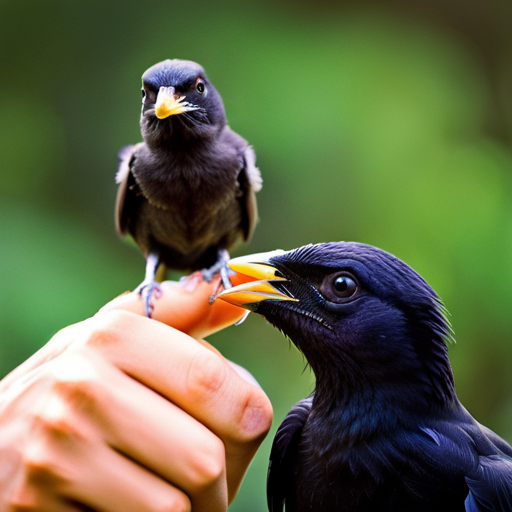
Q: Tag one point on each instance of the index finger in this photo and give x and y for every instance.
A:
(185, 305)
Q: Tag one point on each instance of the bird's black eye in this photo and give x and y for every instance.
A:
(339, 287)
(200, 87)
(149, 93)
(344, 286)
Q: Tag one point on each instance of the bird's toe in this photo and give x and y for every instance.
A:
(148, 292)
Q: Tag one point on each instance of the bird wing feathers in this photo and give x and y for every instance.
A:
(284, 448)
(250, 182)
(477, 449)
(126, 182)
(490, 488)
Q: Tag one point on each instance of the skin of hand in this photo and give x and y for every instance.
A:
(122, 412)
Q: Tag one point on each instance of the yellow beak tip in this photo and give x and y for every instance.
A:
(162, 113)
(169, 104)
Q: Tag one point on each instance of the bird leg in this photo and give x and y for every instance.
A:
(221, 266)
(149, 286)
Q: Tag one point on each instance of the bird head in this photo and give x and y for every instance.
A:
(178, 99)
(361, 316)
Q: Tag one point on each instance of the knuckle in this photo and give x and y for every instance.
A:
(178, 502)
(206, 375)
(105, 328)
(256, 416)
(209, 465)
(40, 468)
(45, 460)
(48, 426)
(73, 387)
(81, 393)
(75, 382)
(40, 471)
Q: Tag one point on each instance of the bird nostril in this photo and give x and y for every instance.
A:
(168, 90)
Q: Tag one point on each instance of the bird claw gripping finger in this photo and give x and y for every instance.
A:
(147, 291)
(220, 266)
(225, 272)
(208, 273)
(224, 283)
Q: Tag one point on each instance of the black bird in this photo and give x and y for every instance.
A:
(384, 430)
(187, 192)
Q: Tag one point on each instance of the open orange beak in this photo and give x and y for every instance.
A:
(258, 267)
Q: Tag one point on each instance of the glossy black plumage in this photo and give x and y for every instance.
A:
(384, 430)
(187, 192)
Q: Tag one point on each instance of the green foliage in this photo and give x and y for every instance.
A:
(367, 127)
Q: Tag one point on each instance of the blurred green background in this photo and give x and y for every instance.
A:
(378, 121)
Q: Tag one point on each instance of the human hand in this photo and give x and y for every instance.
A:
(121, 412)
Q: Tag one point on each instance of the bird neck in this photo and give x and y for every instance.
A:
(366, 399)
(171, 136)
(178, 143)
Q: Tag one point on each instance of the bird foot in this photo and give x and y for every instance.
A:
(148, 290)
(220, 266)
(209, 273)
(224, 282)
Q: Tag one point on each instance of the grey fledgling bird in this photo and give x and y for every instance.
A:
(187, 192)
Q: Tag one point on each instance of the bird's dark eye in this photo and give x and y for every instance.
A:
(149, 93)
(339, 287)
(344, 286)
(200, 87)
